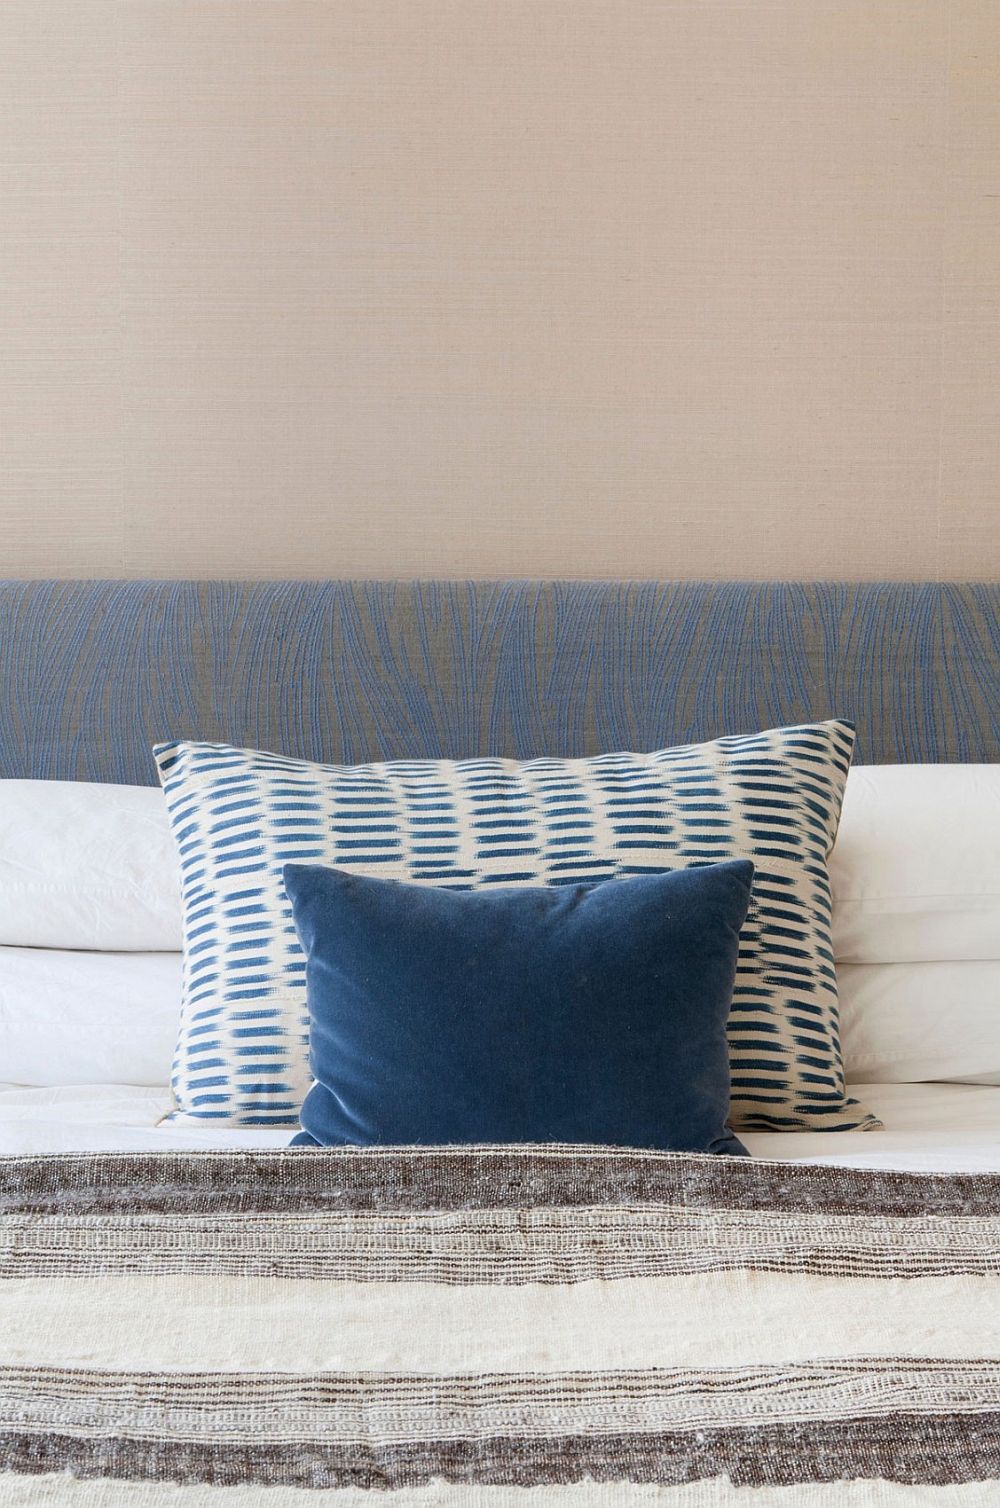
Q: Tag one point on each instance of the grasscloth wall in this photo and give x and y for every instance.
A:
(500, 287)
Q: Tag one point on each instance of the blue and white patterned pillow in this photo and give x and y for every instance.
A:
(239, 815)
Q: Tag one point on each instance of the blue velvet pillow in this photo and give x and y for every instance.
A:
(583, 1013)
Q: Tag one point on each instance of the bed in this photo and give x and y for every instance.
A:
(194, 1314)
(935, 1127)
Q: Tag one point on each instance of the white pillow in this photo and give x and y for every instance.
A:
(905, 1023)
(87, 866)
(87, 1018)
(916, 866)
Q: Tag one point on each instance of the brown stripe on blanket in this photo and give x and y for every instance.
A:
(934, 1450)
(383, 1408)
(565, 1244)
(304, 1180)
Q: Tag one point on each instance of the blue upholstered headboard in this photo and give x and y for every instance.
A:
(92, 673)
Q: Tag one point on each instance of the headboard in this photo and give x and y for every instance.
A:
(92, 673)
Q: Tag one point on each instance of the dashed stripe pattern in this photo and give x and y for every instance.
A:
(239, 815)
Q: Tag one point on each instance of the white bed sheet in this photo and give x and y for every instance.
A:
(928, 1127)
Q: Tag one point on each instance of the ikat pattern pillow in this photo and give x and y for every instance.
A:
(240, 815)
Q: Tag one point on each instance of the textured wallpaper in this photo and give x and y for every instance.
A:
(677, 288)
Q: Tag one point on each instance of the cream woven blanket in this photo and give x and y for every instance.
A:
(459, 1326)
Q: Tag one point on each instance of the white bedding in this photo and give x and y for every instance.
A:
(928, 1127)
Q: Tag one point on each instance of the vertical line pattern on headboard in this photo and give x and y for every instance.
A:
(93, 673)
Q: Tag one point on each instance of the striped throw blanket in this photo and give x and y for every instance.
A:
(456, 1326)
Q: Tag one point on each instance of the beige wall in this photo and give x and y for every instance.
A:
(532, 287)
